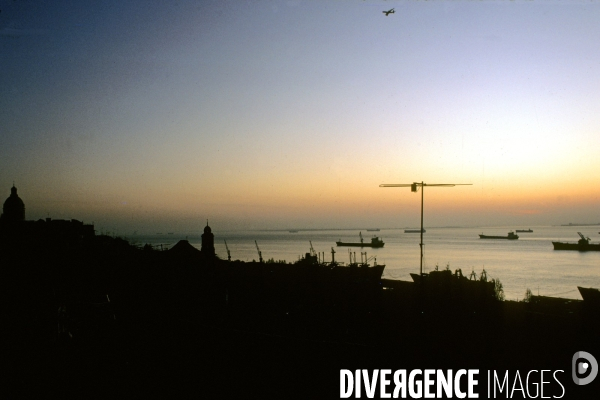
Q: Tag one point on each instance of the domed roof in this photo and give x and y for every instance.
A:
(207, 228)
(14, 198)
(14, 208)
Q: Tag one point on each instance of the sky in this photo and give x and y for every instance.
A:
(158, 115)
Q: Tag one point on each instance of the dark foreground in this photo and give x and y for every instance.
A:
(184, 325)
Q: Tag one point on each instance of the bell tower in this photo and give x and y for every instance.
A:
(208, 242)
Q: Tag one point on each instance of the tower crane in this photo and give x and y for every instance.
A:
(414, 187)
(228, 253)
(260, 259)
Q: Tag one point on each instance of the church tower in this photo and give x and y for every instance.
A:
(14, 208)
(208, 242)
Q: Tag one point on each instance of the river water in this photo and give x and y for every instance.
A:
(527, 263)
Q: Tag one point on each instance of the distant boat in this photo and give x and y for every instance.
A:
(375, 242)
(524, 230)
(511, 236)
(373, 230)
(414, 230)
(582, 244)
(169, 233)
(293, 231)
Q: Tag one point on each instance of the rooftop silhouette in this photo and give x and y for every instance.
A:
(97, 313)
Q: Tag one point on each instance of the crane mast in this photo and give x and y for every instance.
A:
(414, 187)
(228, 253)
(260, 259)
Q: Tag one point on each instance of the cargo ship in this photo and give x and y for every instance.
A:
(582, 244)
(524, 230)
(414, 230)
(445, 283)
(511, 236)
(341, 273)
(375, 242)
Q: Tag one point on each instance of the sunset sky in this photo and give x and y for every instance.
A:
(158, 115)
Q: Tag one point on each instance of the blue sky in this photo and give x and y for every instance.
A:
(160, 114)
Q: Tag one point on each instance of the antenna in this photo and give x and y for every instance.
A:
(414, 187)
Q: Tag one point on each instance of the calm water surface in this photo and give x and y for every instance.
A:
(529, 262)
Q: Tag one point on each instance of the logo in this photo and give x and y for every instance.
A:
(584, 364)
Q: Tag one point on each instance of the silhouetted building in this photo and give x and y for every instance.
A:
(14, 208)
(72, 232)
(208, 241)
(183, 247)
(62, 233)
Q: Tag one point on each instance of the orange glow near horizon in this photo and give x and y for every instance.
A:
(323, 203)
(296, 125)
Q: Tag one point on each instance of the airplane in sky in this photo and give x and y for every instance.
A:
(388, 12)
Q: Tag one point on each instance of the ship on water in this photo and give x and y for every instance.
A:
(341, 272)
(524, 230)
(580, 224)
(447, 273)
(446, 283)
(582, 244)
(511, 236)
(375, 242)
(414, 230)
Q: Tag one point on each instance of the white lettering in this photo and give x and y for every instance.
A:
(411, 384)
(444, 383)
(542, 384)
(504, 382)
(459, 394)
(534, 384)
(420, 383)
(346, 390)
(400, 382)
(428, 382)
(563, 388)
(384, 383)
(517, 377)
(370, 384)
(472, 383)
